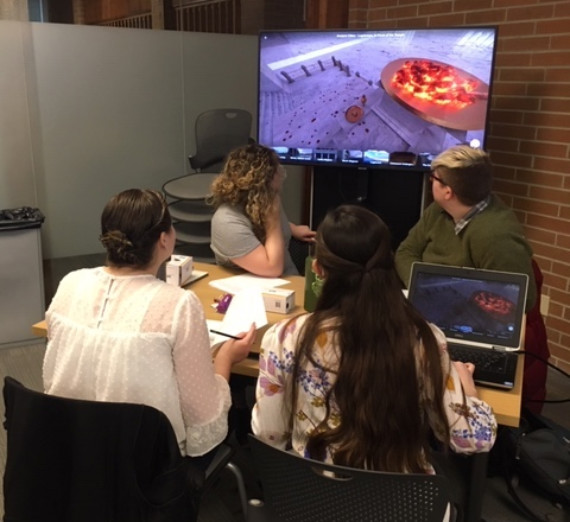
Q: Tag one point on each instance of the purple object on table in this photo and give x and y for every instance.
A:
(223, 303)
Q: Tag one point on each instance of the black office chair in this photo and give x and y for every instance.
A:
(298, 489)
(73, 460)
(217, 131)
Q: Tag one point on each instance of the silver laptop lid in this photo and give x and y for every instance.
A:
(483, 307)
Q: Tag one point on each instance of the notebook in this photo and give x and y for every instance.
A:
(481, 313)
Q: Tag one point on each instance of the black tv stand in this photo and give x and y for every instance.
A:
(396, 195)
(361, 181)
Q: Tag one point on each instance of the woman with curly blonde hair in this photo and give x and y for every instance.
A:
(249, 227)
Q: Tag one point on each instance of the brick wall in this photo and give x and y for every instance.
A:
(529, 138)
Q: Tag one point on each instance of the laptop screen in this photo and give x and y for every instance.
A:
(481, 306)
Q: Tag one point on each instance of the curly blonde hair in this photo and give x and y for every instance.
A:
(246, 182)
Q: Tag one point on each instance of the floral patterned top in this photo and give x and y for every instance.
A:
(471, 420)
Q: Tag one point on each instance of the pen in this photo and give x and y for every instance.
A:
(225, 334)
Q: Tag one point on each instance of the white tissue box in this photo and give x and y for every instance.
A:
(278, 300)
(179, 270)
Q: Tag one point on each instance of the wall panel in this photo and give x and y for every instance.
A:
(16, 169)
(109, 117)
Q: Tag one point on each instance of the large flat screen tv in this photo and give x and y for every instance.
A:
(374, 98)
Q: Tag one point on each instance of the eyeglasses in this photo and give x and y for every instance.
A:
(432, 176)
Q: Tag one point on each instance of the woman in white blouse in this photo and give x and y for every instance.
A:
(117, 333)
(364, 381)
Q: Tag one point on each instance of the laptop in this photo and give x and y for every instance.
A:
(481, 313)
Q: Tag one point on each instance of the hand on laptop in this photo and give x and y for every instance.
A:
(465, 372)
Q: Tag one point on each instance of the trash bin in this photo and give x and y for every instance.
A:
(21, 274)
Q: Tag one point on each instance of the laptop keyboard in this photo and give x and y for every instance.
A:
(487, 360)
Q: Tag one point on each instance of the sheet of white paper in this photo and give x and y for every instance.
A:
(235, 284)
(245, 308)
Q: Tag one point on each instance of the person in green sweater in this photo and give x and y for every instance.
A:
(468, 225)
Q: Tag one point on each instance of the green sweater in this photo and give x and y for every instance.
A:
(493, 240)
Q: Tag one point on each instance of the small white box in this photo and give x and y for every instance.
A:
(179, 270)
(279, 300)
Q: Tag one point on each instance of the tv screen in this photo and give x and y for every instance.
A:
(374, 98)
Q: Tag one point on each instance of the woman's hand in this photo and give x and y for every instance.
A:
(465, 372)
(268, 259)
(273, 217)
(302, 233)
(234, 351)
(239, 349)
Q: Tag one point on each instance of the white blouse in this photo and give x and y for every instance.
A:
(137, 339)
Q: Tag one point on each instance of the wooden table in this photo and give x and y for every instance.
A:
(207, 295)
(506, 404)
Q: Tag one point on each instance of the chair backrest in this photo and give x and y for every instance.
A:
(73, 460)
(298, 489)
(536, 346)
(219, 131)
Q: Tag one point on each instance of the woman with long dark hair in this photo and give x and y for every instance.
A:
(364, 381)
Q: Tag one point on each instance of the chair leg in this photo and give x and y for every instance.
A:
(241, 486)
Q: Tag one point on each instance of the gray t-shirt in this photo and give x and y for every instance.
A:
(232, 236)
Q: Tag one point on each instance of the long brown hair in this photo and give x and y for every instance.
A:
(384, 424)
(246, 182)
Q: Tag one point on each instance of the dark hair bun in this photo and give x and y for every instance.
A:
(118, 244)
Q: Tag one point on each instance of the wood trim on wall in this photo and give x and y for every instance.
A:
(326, 14)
